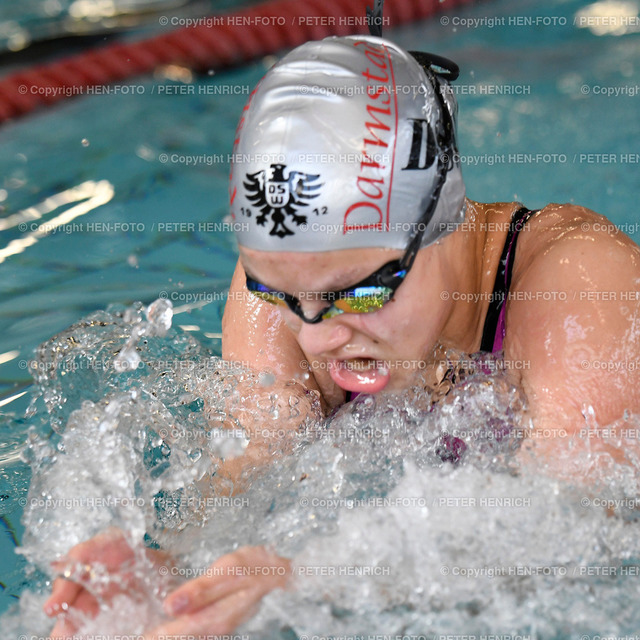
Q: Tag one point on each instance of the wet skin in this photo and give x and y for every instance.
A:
(564, 251)
(575, 348)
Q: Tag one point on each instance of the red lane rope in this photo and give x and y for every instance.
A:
(215, 44)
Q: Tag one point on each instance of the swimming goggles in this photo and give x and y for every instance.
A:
(372, 293)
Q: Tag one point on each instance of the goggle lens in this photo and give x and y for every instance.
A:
(260, 291)
(360, 299)
(364, 299)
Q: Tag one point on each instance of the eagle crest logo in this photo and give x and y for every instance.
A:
(279, 196)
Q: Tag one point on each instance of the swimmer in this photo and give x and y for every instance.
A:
(354, 267)
(359, 251)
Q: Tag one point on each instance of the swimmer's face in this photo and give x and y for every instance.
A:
(402, 332)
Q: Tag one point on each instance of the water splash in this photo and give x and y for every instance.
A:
(406, 513)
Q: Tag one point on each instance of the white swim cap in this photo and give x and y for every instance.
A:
(343, 144)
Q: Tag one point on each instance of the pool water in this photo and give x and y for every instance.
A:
(148, 160)
(390, 529)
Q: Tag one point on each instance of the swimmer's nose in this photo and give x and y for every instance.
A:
(323, 338)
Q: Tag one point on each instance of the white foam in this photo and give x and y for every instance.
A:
(386, 535)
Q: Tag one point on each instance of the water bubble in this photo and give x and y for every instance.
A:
(159, 315)
(127, 360)
(381, 495)
(228, 444)
(266, 379)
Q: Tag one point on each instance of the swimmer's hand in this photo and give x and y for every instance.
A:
(109, 551)
(228, 595)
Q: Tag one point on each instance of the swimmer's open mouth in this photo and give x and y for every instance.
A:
(360, 374)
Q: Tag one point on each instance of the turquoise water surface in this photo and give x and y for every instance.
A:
(548, 113)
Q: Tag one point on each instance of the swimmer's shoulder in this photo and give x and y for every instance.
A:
(255, 335)
(562, 242)
(572, 309)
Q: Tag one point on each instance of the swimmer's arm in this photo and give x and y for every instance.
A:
(575, 348)
(253, 333)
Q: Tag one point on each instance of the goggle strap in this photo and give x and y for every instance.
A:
(374, 18)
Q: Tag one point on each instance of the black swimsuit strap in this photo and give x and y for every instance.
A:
(503, 278)
(502, 281)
